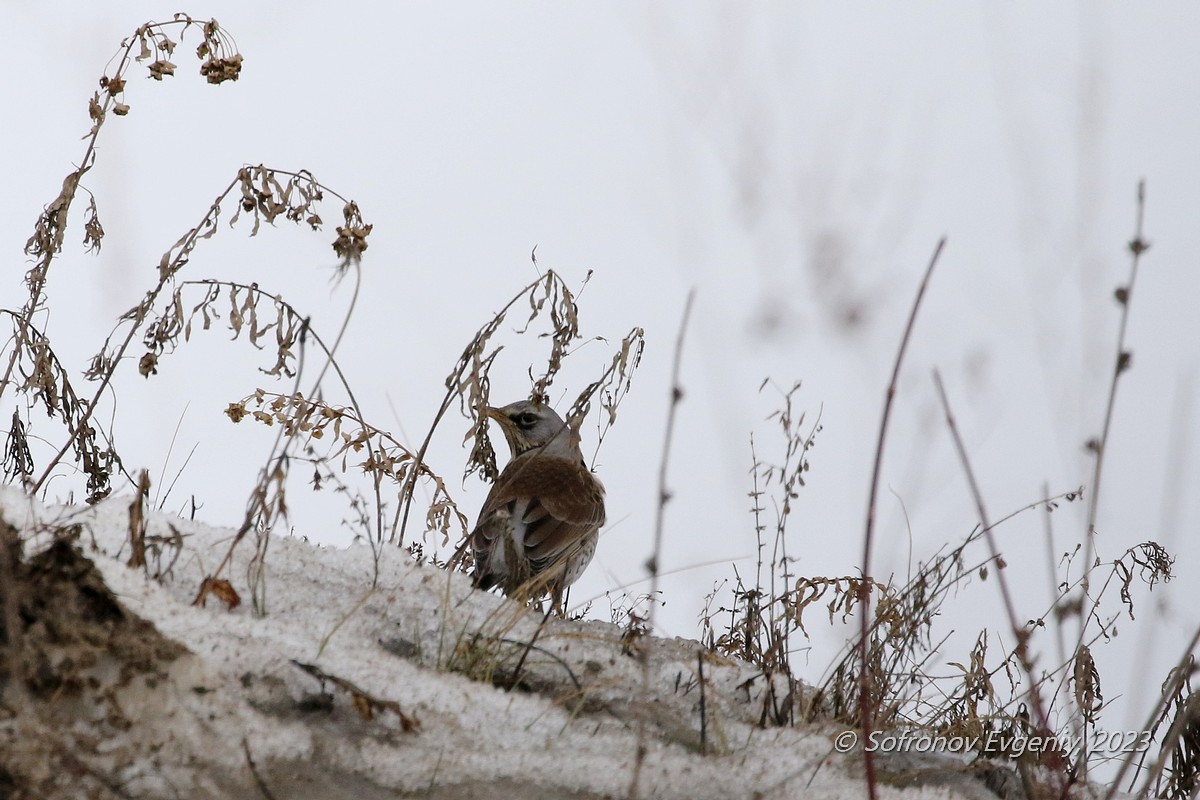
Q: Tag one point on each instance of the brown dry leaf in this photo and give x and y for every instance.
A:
(351, 240)
(93, 231)
(160, 68)
(137, 522)
(236, 318)
(114, 85)
(219, 588)
(95, 109)
(362, 704)
(1088, 697)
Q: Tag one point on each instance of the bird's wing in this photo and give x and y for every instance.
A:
(495, 520)
(565, 504)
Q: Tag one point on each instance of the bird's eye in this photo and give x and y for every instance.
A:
(527, 420)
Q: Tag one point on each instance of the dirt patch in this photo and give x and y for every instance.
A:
(66, 646)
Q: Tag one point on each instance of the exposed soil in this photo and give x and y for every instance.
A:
(67, 646)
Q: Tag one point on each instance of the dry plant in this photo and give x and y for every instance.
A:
(1175, 773)
(32, 369)
(631, 613)
(652, 564)
(883, 678)
(896, 644)
(469, 384)
(487, 651)
(335, 439)
(164, 317)
(998, 695)
(765, 614)
(765, 625)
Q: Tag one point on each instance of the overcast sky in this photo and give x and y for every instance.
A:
(795, 164)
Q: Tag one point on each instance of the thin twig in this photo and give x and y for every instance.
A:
(258, 779)
(1123, 295)
(1051, 560)
(162, 471)
(1020, 633)
(864, 593)
(345, 617)
(664, 496)
(528, 646)
(703, 704)
(652, 563)
(516, 675)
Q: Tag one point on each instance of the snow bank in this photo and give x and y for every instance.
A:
(344, 690)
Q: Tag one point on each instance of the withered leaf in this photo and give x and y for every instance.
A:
(114, 85)
(219, 588)
(160, 68)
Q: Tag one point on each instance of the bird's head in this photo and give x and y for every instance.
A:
(528, 425)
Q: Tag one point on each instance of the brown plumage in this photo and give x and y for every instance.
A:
(538, 528)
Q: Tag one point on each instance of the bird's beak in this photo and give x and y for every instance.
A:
(494, 413)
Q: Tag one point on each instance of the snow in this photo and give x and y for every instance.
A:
(239, 691)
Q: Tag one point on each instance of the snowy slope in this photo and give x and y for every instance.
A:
(342, 690)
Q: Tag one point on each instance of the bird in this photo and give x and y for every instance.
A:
(538, 528)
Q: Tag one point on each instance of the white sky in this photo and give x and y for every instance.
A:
(730, 148)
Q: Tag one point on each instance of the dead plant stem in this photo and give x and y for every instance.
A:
(1020, 634)
(1137, 246)
(652, 564)
(165, 276)
(864, 593)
